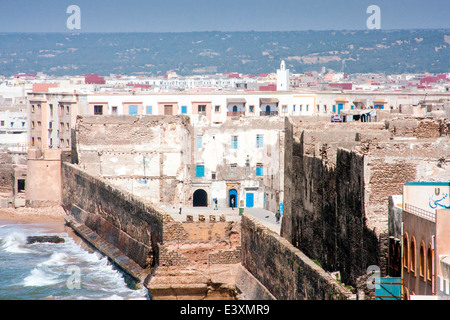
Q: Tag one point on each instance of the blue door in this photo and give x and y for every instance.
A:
(232, 198)
(340, 107)
(249, 200)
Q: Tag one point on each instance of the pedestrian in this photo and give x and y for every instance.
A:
(180, 207)
(232, 203)
(277, 216)
(215, 204)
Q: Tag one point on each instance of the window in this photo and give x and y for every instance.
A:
(2, 123)
(168, 110)
(324, 108)
(259, 141)
(61, 126)
(32, 124)
(132, 109)
(259, 170)
(422, 261)
(32, 108)
(405, 251)
(301, 108)
(429, 263)
(293, 108)
(12, 124)
(202, 110)
(39, 124)
(98, 110)
(252, 109)
(67, 143)
(199, 142)
(233, 169)
(412, 255)
(217, 109)
(200, 170)
(183, 109)
(67, 126)
(234, 142)
(51, 110)
(213, 176)
(67, 110)
(318, 108)
(149, 110)
(23, 124)
(284, 107)
(114, 110)
(307, 107)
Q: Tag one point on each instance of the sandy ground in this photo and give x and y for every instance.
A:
(52, 216)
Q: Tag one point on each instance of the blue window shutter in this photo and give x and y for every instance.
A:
(183, 109)
(200, 171)
(259, 171)
(132, 109)
(149, 109)
(199, 142)
(234, 142)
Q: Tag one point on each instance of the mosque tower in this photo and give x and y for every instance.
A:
(283, 78)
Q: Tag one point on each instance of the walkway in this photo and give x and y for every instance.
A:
(267, 218)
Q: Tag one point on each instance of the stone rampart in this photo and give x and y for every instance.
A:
(283, 269)
(131, 225)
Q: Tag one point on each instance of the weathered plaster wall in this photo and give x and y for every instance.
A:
(145, 155)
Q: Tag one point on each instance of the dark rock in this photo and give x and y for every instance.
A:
(40, 239)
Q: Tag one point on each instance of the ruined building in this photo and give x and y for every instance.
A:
(173, 159)
(339, 176)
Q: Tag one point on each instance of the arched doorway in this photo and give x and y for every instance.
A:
(200, 198)
(235, 109)
(267, 110)
(232, 198)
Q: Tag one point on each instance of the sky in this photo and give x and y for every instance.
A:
(220, 15)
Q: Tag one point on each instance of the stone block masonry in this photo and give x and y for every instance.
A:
(126, 222)
(283, 269)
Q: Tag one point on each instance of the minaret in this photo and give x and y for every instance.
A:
(283, 77)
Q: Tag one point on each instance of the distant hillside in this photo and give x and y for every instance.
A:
(395, 51)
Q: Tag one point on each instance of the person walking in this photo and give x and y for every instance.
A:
(180, 206)
(277, 216)
(215, 204)
(232, 203)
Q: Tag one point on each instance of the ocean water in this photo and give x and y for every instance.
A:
(63, 271)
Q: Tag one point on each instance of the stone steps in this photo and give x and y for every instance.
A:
(180, 283)
(191, 283)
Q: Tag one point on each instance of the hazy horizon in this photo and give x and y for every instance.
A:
(180, 16)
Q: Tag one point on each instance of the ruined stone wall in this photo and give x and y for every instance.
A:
(203, 241)
(283, 269)
(417, 127)
(127, 222)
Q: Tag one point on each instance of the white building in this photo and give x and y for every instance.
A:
(283, 78)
